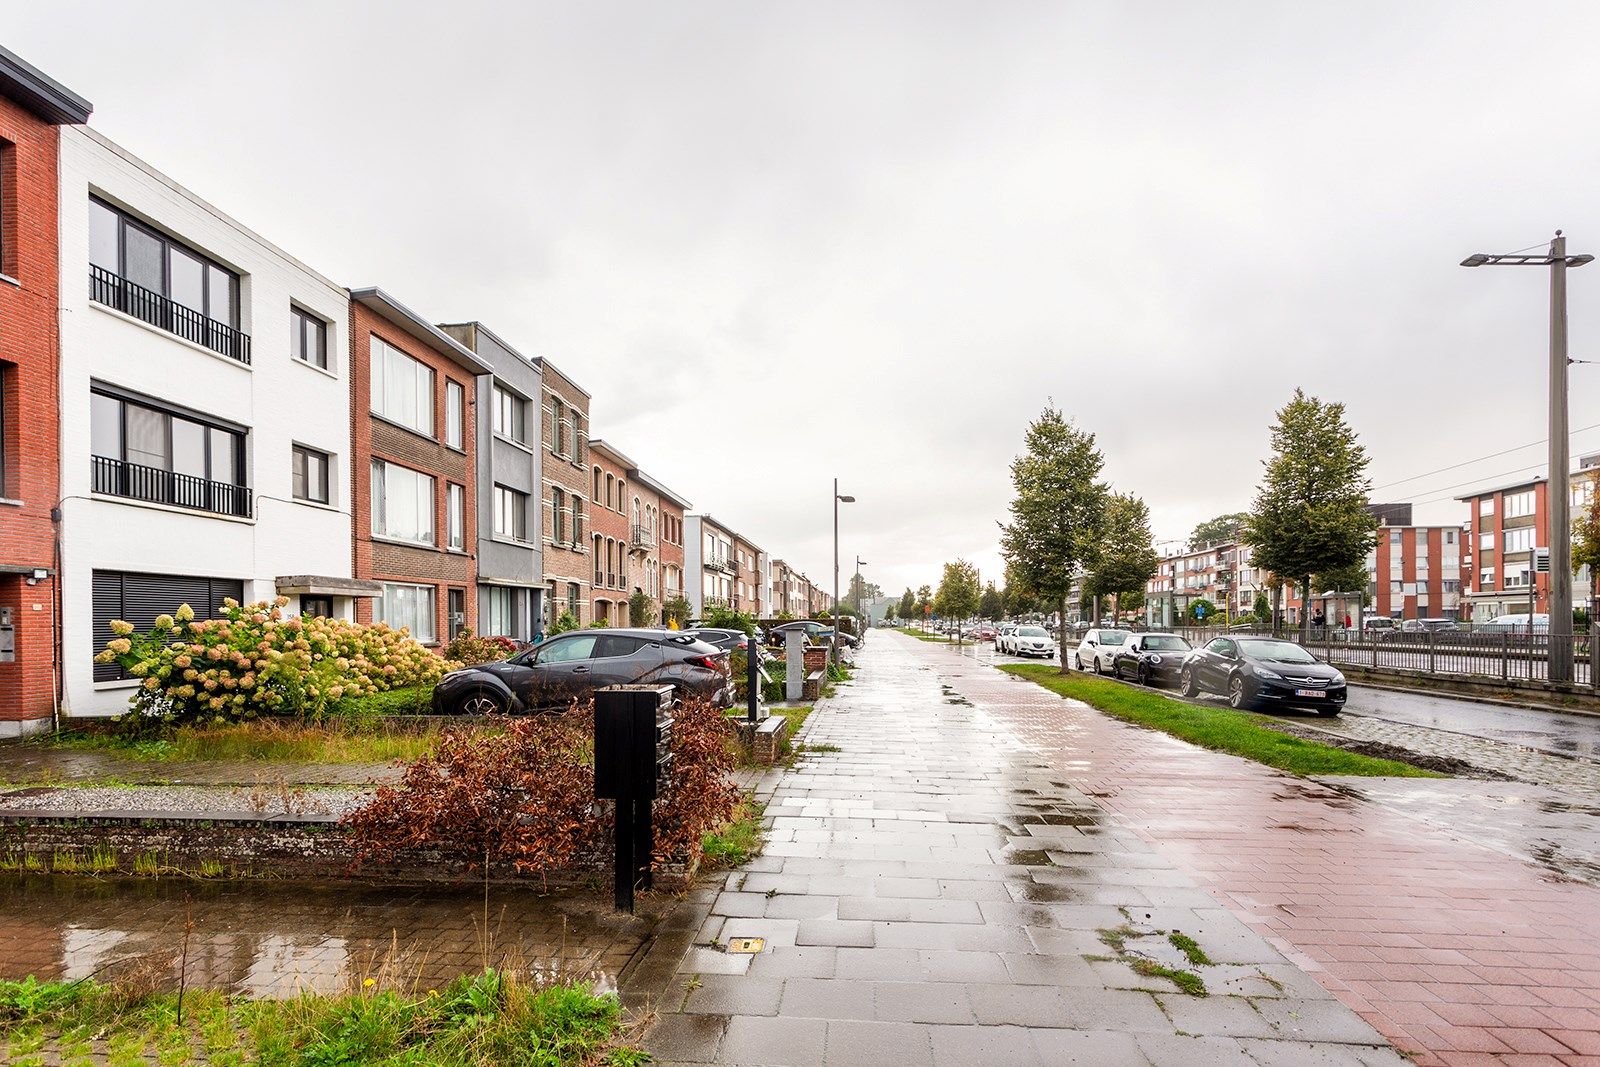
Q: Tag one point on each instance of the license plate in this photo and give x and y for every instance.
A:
(1309, 693)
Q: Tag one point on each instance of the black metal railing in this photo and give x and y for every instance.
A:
(147, 305)
(117, 477)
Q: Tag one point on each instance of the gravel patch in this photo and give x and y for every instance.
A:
(213, 800)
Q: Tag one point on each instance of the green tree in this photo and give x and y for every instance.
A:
(1222, 528)
(1310, 514)
(676, 609)
(1201, 610)
(1262, 607)
(641, 609)
(1586, 536)
(958, 594)
(564, 622)
(889, 610)
(991, 605)
(924, 602)
(1127, 556)
(908, 606)
(1351, 579)
(1056, 510)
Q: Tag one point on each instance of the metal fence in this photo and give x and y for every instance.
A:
(1503, 655)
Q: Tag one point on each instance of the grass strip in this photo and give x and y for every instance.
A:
(273, 740)
(738, 841)
(1238, 733)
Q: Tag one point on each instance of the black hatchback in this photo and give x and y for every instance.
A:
(571, 666)
(1253, 671)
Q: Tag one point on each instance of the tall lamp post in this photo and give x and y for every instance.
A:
(833, 651)
(1560, 634)
(858, 584)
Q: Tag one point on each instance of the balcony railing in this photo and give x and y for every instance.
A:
(147, 305)
(721, 566)
(643, 539)
(117, 477)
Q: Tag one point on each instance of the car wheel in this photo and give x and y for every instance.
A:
(479, 702)
(1077, 661)
(1144, 674)
(1097, 668)
(1238, 696)
(1187, 686)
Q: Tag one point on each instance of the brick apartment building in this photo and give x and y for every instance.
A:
(413, 468)
(1415, 572)
(652, 554)
(670, 510)
(609, 534)
(747, 577)
(709, 568)
(32, 108)
(568, 481)
(1504, 524)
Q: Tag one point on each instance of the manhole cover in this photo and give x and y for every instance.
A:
(746, 944)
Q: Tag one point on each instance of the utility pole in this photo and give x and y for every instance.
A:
(1560, 636)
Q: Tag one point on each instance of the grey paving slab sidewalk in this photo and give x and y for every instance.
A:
(936, 893)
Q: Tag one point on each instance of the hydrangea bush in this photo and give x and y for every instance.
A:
(254, 661)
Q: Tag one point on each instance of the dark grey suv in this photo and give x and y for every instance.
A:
(571, 666)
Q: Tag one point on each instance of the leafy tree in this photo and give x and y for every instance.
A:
(1055, 514)
(1196, 615)
(564, 622)
(676, 609)
(889, 610)
(1351, 579)
(1222, 528)
(1310, 513)
(641, 609)
(991, 605)
(1262, 607)
(1586, 536)
(1127, 556)
(958, 594)
(908, 605)
(924, 601)
(722, 617)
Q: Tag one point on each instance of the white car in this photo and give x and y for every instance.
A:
(1032, 641)
(1096, 649)
(1002, 641)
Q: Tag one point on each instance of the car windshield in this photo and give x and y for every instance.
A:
(1276, 651)
(1112, 637)
(1165, 643)
(1031, 631)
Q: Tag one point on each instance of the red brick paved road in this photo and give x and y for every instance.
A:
(1456, 953)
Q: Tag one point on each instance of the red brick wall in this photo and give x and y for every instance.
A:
(563, 563)
(609, 522)
(370, 437)
(29, 359)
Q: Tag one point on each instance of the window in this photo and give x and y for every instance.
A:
(558, 427)
(574, 594)
(1486, 578)
(1396, 587)
(402, 388)
(611, 486)
(498, 617)
(622, 495)
(1486, 541)
(1517, 576)
(1486, 505)
(318, 607)
(558, 516)
(599, 567)
(455, 406)
(139, 598)
(1394, 536)
(402, 503)
(1449, 537)
(1519, 540)
(8, 239)
(1450, 585)
(1519, 504)
(308, 338)
(146, 452)
(510, 415)
(5, 383)
(455, 498)
(568, 649)
(310, 474)
(577, 520)
(595, 490)
(407, 606)
(510, 513)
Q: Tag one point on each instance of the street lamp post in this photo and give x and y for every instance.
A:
(858, 583)
(1560, 633)
(837, 500)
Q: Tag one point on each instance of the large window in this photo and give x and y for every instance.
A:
(402, 388)
(455, 401)
(311, 474)
(409, 606)
(6, 391)
(510, 513)
(152, 277)
(402, 503)
(1518, 504)
(139, 598)
(455, 498)
(558, 427)
(558, 516)
(499, 605)
(144, 451)
(308, 338)
(1519, 540)
(577, 520)
(510, 415)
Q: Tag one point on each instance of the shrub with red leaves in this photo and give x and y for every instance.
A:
(524, 797)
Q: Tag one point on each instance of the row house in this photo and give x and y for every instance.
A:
(610, 531)
(751, 566)
(211, 373)
(789, 590)
(649, 550)
(33, 111)
(1505, 523)
(709, 568)
(567, 484)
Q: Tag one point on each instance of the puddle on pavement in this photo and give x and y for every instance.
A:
(1036, 893)
(275, 939)
(1026, 857)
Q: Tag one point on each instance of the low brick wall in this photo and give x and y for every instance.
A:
(306, 847)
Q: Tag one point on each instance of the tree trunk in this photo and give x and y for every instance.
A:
(1061, 632)
(1277, 608)
(1305, 609)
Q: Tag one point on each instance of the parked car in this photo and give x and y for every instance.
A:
(571, 666)
(1263, 670)
(727, 640)
(1426, 626)
(810, 627)
(1515, 624)
(1032, 641)
(984, 633)
(1096, 648)
(1003, 635)
(1151, 658)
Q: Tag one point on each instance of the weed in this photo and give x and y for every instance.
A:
(31, 862)
(64, 862)
(1117, 938)
(1189, 947)
(738, 840)
(821, 747)
(1186, 981)
(147, 864)
(11, 861)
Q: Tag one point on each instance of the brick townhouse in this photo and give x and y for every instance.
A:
(608, 533)
(1505, 523)
(32, 109)
(671, 509)
(567, 482)
(649, 556)
(413, 432)
(709, 569)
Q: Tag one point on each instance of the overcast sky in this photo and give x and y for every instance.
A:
(882, 235)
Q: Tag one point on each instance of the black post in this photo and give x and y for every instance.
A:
(644, 845)
(625, 866)
(752, 675)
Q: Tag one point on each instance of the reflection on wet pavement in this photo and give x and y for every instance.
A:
(274, 939)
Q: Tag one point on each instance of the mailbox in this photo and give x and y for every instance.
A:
(632, 766)
(8, 637)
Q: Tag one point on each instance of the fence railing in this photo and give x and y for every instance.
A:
(147, 305)
(116, 477)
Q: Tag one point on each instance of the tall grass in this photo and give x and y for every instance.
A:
(291, 741)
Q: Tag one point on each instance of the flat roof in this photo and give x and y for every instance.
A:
(40, 93)
(383, 304)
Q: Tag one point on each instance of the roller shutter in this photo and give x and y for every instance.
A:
(139, 598)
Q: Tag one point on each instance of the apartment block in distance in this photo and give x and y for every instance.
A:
(708, 564)
(510, 561)
(205, 399)
(33, 108)
(567, 483)
(414, 438)
(1414, 571)
(609, 532)
(1505, 523)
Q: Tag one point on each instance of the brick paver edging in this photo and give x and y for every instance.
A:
(1455, 952)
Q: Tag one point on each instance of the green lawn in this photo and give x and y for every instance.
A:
(1219, 728)
(287, 740)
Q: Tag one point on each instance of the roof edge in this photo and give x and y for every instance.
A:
(375, 299)
(40, 93)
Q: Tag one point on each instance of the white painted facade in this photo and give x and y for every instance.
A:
(277, 400)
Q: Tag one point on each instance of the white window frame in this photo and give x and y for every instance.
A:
(455, 501)
(420, 614)
(390, 367)
(383, 498)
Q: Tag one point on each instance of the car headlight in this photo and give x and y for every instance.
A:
(1262, 672)
(1155, 659)
(1338, 679)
